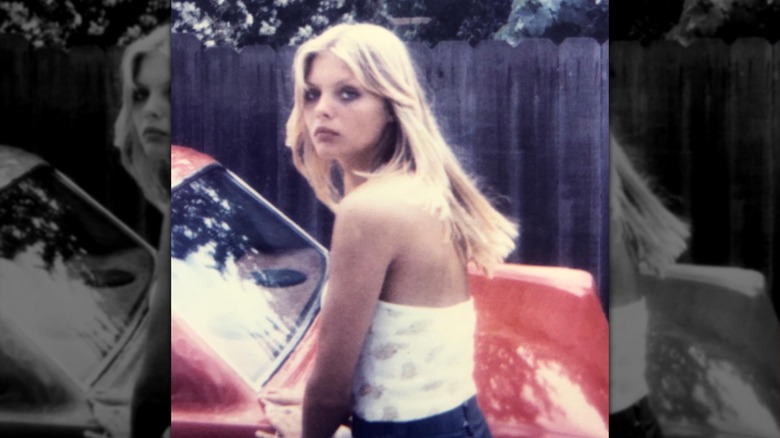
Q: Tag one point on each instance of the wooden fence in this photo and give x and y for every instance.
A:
(704, 122)
(62, 105)
(530, 122)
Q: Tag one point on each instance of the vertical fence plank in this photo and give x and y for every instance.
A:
(579, 131)
(707, 74)
(750, 140)
(85, 104)
(534, 190)
(245, 124)
(603, 187)
(15, 105)
(492, 122)
(257, 114)
(220, 117)
(422, 59)
(775, 145)
(186, 97)
(663, 124)
(627, 99)
(453, 97)
(47, 82)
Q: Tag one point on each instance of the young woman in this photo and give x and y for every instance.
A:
(396, 346)
(142, 134)
(645, 238)
(142, 128)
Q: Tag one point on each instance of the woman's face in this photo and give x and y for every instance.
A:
(345, 122)
(152, 106)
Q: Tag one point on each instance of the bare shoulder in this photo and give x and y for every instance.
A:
(389, 203)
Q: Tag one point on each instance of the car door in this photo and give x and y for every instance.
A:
(246, 284)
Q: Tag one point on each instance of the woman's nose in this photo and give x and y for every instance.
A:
(324, 107)
(157, 106)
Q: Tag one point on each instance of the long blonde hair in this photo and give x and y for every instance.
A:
(381, 64)
(654, 236)
(133, 157)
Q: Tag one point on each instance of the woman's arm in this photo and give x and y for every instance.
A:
(364, 243)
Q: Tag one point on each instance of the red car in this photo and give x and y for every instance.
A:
(246, 287)
(713, 353)
(74, 285)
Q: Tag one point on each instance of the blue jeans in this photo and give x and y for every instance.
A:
(466, 420)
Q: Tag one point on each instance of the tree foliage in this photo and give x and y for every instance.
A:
(727, 19)
(556, 19)
(32, 216)
(68, 23)
(274, 22)
(290, 22)
(465, 20)
(38, 211)
(684, 21)
(281, 22)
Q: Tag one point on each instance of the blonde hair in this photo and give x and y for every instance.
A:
(654, 236)
(381, 64)
(133, 157)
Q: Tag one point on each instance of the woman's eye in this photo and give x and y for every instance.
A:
(140, 94)
(349, 93)
(310, 95)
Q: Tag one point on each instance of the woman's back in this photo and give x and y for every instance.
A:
(425, 269)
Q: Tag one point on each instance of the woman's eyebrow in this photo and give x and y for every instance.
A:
(351, 82)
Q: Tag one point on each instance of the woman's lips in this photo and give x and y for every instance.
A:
(325, 133)
(155, 135)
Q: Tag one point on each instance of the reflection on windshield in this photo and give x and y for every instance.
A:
(243, 277)
(72, 282)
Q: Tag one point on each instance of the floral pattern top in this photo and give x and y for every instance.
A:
(415, 362)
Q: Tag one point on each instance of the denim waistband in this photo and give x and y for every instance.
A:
(461, 419)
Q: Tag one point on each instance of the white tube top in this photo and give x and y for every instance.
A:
(415, 362)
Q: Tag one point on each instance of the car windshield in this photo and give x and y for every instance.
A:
(73, 289)
(244, 277)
